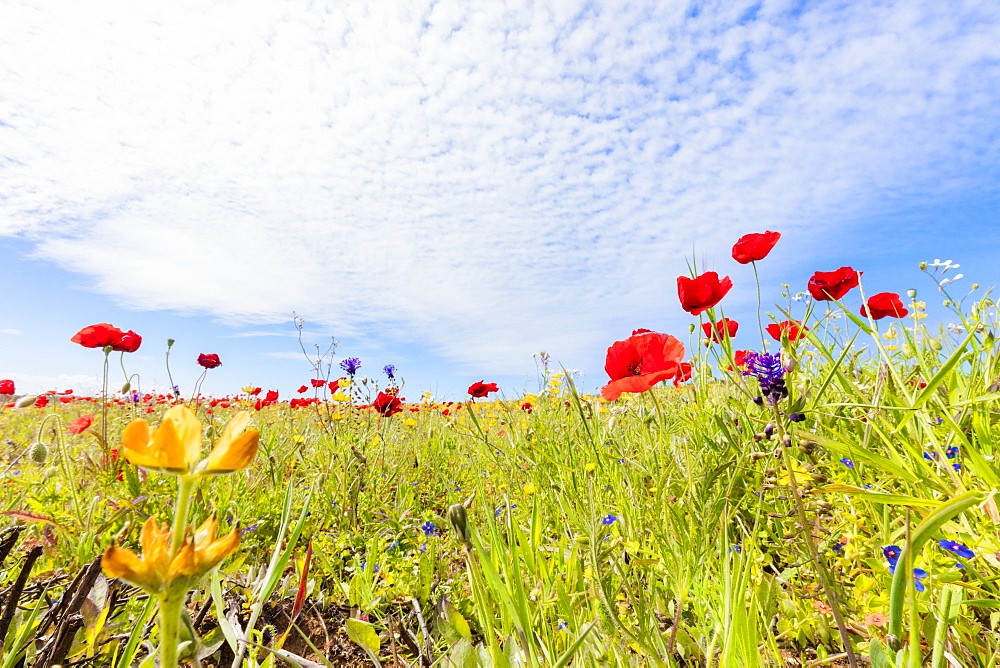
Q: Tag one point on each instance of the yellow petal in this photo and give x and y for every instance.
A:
(185, 563)
(122, 563)
(210, 555)
(173, 448)
(235, 449)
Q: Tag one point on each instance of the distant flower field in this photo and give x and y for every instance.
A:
(813, 489)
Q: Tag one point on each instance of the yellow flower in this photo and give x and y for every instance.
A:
(175, 446)
(410, 422)
(589, 467)
(529, 488)
(339, 396)
(155, 571)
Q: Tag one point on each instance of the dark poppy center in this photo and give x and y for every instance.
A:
(635, 367)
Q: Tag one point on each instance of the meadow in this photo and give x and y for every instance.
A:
(816, 489)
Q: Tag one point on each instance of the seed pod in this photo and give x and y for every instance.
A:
(39, 452)
(126, 387)
(25, 401)
(51, 472)
(756, 456)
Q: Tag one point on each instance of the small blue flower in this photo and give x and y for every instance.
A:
(609, 519)
(562, 626)
(849, 463)
(390, 371)
(918, 575)
(957, 548)
(429, 528)
(951, 452)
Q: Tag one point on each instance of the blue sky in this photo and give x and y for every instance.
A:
(450, 188)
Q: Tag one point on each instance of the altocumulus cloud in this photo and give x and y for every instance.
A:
(436, 170)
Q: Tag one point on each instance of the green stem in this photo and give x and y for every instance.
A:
(169, 615)
(104, 408)
(807, 537)
(185, 488)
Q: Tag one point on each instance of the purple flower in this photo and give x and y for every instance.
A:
(849, 463)
(767, 369)
(351, 365)
(609, 519)
(390, 371)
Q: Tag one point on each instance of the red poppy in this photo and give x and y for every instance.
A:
(41, 402)
(753, 247)
(683, 373)
(254, 392)
(482, 388)
(6, 387)
(640, 362)
(302, 389)
(334, 384)
(80, 424)
(271, 396)
(318, 382)
(702, 292)
(128, 343)
(740, 357)
(527, 407)
(718, 330)
(209, 361)
(98, 336)
(387, 404)
(826, 286)
(882, 305)
(790, 328)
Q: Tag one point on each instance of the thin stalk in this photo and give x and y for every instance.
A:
(824, 575)
(185, 487)
(168, 617)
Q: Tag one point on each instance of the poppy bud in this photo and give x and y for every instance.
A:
(934, 344)
(38, 453)
(51, 472)
(25, 401)
(459, 519)
(706, 342)
(911, 293)
(126, 387)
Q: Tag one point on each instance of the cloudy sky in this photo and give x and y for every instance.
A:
(451, 186)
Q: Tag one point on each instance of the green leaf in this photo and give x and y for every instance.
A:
(364, 635)
(879, 657)
(876, 497)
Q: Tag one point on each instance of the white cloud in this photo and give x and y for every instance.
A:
(12, 332)
(485, 179)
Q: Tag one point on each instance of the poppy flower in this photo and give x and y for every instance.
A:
(702, 292)
(6, 387)
(826, 286)
(790, 328)
(209, 361)
(155, 571)
(640, 362)
(98, 336)
(753, 247)
(175, 446)
(481, 389)
(387, 404)
(683, 373)
(80, 424)
(716, 331)
(317, 382)
(271, 396)
(740, 357)
(128, 343)
(884, 305)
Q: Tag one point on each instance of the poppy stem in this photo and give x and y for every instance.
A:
(760, 326)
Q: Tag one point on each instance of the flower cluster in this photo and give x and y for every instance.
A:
(769, 372)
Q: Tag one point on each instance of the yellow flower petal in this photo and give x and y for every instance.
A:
(173, 448)
(124, 564)
(235, 449)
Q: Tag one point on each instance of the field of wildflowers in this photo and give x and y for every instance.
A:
(819, 494)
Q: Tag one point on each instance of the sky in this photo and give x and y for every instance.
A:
(451, 187)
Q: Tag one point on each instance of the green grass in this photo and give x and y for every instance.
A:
(661, 529)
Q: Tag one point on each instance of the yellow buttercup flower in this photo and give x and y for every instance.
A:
(175, 446)
(155, 571)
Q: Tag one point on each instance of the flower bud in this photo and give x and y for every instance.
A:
(126, 387)
(912, 293)
(51, 472)
(706, 342)
(923, 265)
(934, 344)
(170, 344)
(39, 452)
(459, 519)
(788, 361)
(25, 401)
